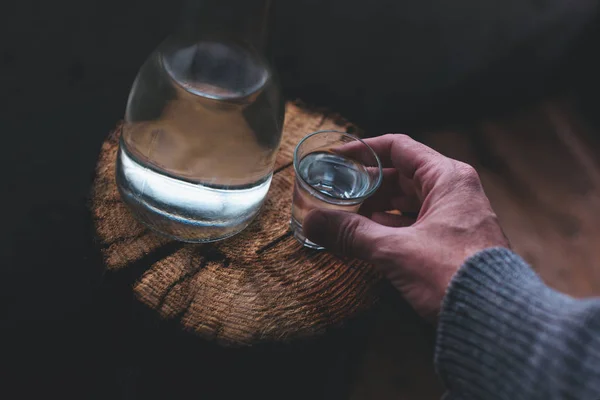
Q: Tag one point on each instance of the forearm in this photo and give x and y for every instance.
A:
(503, 334)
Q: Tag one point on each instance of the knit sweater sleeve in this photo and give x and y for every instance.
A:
(504, 334)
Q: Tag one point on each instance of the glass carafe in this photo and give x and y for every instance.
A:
(203, 125)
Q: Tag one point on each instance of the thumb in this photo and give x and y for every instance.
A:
(344, 233)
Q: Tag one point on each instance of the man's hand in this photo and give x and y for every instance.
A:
(419, 256)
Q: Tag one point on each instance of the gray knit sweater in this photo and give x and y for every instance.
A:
(504, 334)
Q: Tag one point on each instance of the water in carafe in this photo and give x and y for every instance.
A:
(203, 125)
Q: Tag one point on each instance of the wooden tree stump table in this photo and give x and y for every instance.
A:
(260, 285)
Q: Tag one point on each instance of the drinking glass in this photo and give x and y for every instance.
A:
(333, 170)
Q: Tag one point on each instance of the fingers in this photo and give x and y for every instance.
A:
(392, 220)
(418, 164)
(404, 204)
(394, 151)
(403, 153)
(395, 193)
(381, 200)
(423, 174)
(344, 233)
(357, 150)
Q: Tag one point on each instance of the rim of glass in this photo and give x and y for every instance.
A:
(364, 196)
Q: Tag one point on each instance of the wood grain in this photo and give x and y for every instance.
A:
(259, 286)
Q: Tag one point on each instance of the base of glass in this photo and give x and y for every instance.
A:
(296, 228)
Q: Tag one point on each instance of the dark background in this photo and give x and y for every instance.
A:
(65, 71)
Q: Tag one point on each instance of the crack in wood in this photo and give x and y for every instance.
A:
(134, 271)
(123, 239)
(274, 242)
(111, 201)
(284, 166)
(323, 119)
(211, 255)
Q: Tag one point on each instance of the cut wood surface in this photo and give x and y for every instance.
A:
(260, 285)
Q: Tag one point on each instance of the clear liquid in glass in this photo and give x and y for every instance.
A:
(203, 125)
(329, 181)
